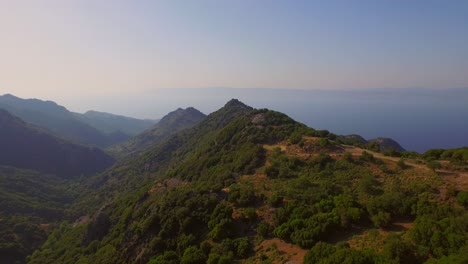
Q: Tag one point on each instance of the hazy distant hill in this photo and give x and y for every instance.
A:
(382, 143)
(110, 123)
(24, 146)
(95, 129)
(355, 139)
(170, 124)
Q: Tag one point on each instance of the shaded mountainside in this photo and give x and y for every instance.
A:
(170, 124)
(254, 186)
(66, 124)
(110, 123)
(31, 204)
(28, 147)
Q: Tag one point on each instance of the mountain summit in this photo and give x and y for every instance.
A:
(235, 102)
(170, 124)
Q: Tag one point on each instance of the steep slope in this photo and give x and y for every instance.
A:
(24, 146)
(110, 123)
(254, 186)
(170, 124)
(60, 121)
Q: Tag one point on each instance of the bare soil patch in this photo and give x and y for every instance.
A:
(280, 251)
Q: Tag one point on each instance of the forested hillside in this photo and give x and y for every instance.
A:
(254, 186)
(31, 204)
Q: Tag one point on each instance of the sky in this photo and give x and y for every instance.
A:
(93, 49)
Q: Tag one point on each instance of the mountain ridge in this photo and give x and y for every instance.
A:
(157, 158)
(171, 123)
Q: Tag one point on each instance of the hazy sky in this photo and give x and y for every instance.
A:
(98, 47)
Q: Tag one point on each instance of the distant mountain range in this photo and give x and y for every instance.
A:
(170, 124)
(110, 123)
(92, 128)
(25, 146)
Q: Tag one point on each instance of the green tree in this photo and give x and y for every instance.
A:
(193, 255)
(462, 198)
(381, 219)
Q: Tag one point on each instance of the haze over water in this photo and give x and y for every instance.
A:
(419, 119)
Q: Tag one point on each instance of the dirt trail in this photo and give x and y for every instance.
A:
(358, 151)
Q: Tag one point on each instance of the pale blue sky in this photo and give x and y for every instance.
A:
(50, 49)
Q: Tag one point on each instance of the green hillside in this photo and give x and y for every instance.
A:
(254, 186)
